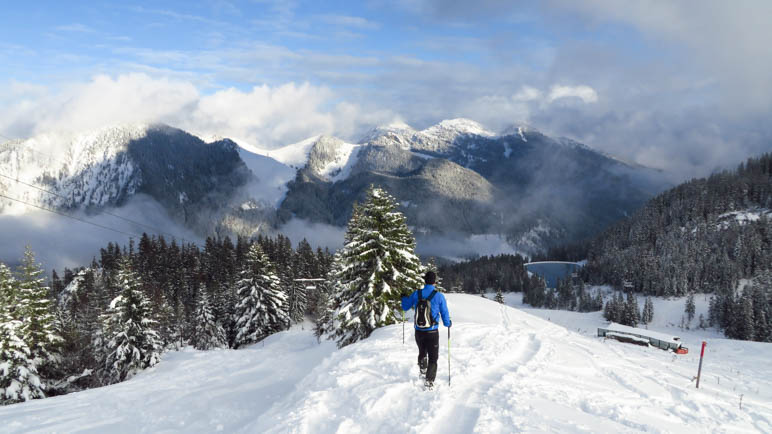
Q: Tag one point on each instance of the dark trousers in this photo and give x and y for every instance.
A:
(428, 351)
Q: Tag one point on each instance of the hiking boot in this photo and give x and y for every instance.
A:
(428, 385)
(431, 372)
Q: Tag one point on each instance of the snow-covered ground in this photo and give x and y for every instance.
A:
(511, 371)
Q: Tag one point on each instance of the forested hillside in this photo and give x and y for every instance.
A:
(706, 235)
(103, 323)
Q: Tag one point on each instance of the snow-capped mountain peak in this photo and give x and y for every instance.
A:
(398, 128)
(451, 128)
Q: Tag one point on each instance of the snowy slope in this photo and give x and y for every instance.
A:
(511, 371)
(271, 177)
(294, 155)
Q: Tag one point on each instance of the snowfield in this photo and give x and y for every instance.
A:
(511, 371)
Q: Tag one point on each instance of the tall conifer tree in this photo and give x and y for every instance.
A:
(36, 310)
(261, 309)
(132, 343)
(376, 266)
(209, 333)
(19, 380)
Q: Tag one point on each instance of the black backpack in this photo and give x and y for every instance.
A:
(423, 312)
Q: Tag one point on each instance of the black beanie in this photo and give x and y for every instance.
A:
(430, 278)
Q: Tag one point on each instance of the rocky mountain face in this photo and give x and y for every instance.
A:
(452, 179)
(191, 179)
(456, 177)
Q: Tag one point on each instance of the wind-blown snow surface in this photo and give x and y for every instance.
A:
(511, 371)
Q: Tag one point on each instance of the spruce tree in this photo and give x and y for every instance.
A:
(631, 312)
(19, 380)
(608, 311)
(325, 307)
(208, 332)
(377, 265)
(166, 323)
(499, 296)
(648, 311)
(689, 308)
(36, 310)
(296, 301)
(261, 309)
(132, 343)
(8, 294)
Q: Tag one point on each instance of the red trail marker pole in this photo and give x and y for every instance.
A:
(699, 370)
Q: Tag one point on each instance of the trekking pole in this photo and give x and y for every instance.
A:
(403, 327)
(448, 356)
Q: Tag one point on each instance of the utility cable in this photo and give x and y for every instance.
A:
(103, 212)
(70, 216)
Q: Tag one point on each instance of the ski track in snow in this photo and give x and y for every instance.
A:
(511, 372)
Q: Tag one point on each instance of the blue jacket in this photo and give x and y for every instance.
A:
(439, 306)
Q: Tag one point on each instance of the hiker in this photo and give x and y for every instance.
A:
(429, 304)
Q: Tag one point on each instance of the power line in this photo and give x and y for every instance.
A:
(70, 216)
(104, 212)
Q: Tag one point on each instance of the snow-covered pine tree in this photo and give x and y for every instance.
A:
(608, 311)
(689, 308)
(261, 309)
(167, 323)
(7, 291)
(499, 296)
(746, 322)
(377, 265)
(36, 312)
(631, 312)
(296, 301)
(648, 311)
(132, 343)
(325, 305)
(208, 332)
(19, 380)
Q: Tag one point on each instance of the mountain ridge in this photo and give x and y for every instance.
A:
(455, 178)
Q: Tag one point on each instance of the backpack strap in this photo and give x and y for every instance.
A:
(429, 298)
(419, 294)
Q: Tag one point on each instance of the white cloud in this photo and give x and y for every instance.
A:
(264, 116)
(527, 93)
(728, 40)
(585, 93)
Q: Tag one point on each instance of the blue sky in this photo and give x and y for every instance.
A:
(678, 85)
